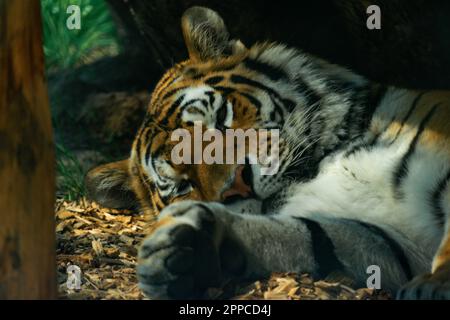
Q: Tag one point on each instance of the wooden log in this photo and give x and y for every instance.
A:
(27, 234)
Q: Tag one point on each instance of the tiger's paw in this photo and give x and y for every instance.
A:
(181, 258)
(426, 287)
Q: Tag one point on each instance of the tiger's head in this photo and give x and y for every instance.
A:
(223, 85)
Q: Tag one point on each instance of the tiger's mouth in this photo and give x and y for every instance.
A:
(246, 184)
(241, 186)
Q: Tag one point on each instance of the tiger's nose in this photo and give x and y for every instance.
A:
(241, 186)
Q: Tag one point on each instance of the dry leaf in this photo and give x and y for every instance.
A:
(98, 248)
(65, 224)
(64, 214)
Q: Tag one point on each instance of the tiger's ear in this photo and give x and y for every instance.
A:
(110, 186)
(206, 35)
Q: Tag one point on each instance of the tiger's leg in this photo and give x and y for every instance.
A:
(434, 285)
(199, 245)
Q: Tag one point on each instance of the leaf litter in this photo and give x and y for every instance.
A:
(103, 243)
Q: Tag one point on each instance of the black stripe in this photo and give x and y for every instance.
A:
(212, 99)
(147, 120)
(279, 110)
(221, 68)
(160, 207)
(359, 114)
(161, 197)
(163, 187)
(158, 189)
(171, 110)
(145, 179)
(164, 84)
(237, 79)
(272, 72)
(312, 98)
(376, 94)
(348, 122)
(170, 93)
(288, 104)
(139, 143)
(155, 155)
(194, 73)
(198, 76)
(408, 115)
(364, 145)
(363, 111)
(189, 102)
(252, 100)
(221, 115)
(436, 198)
(224, 90)
(402, 168)
(368, 145)
(309, 169)
(323, 249)
(396, 249)
(191, 71)
(214, 80)
(151, 188)
(147, 152)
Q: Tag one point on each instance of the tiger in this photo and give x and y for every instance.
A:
(363, 176)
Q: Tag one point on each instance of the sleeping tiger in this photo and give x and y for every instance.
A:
(363, 174)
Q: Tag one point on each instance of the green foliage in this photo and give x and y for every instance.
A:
(70, 175)
(66, 48)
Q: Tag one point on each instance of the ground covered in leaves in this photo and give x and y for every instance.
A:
(103, 243)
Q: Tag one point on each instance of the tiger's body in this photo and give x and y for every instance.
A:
(363, 178)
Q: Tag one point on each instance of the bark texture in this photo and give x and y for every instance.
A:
(27, 232)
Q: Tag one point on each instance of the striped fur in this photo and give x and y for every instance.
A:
(364, 175)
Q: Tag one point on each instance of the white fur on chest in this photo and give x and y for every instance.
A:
(359, 187)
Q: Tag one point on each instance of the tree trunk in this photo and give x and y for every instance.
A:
(27, 233)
